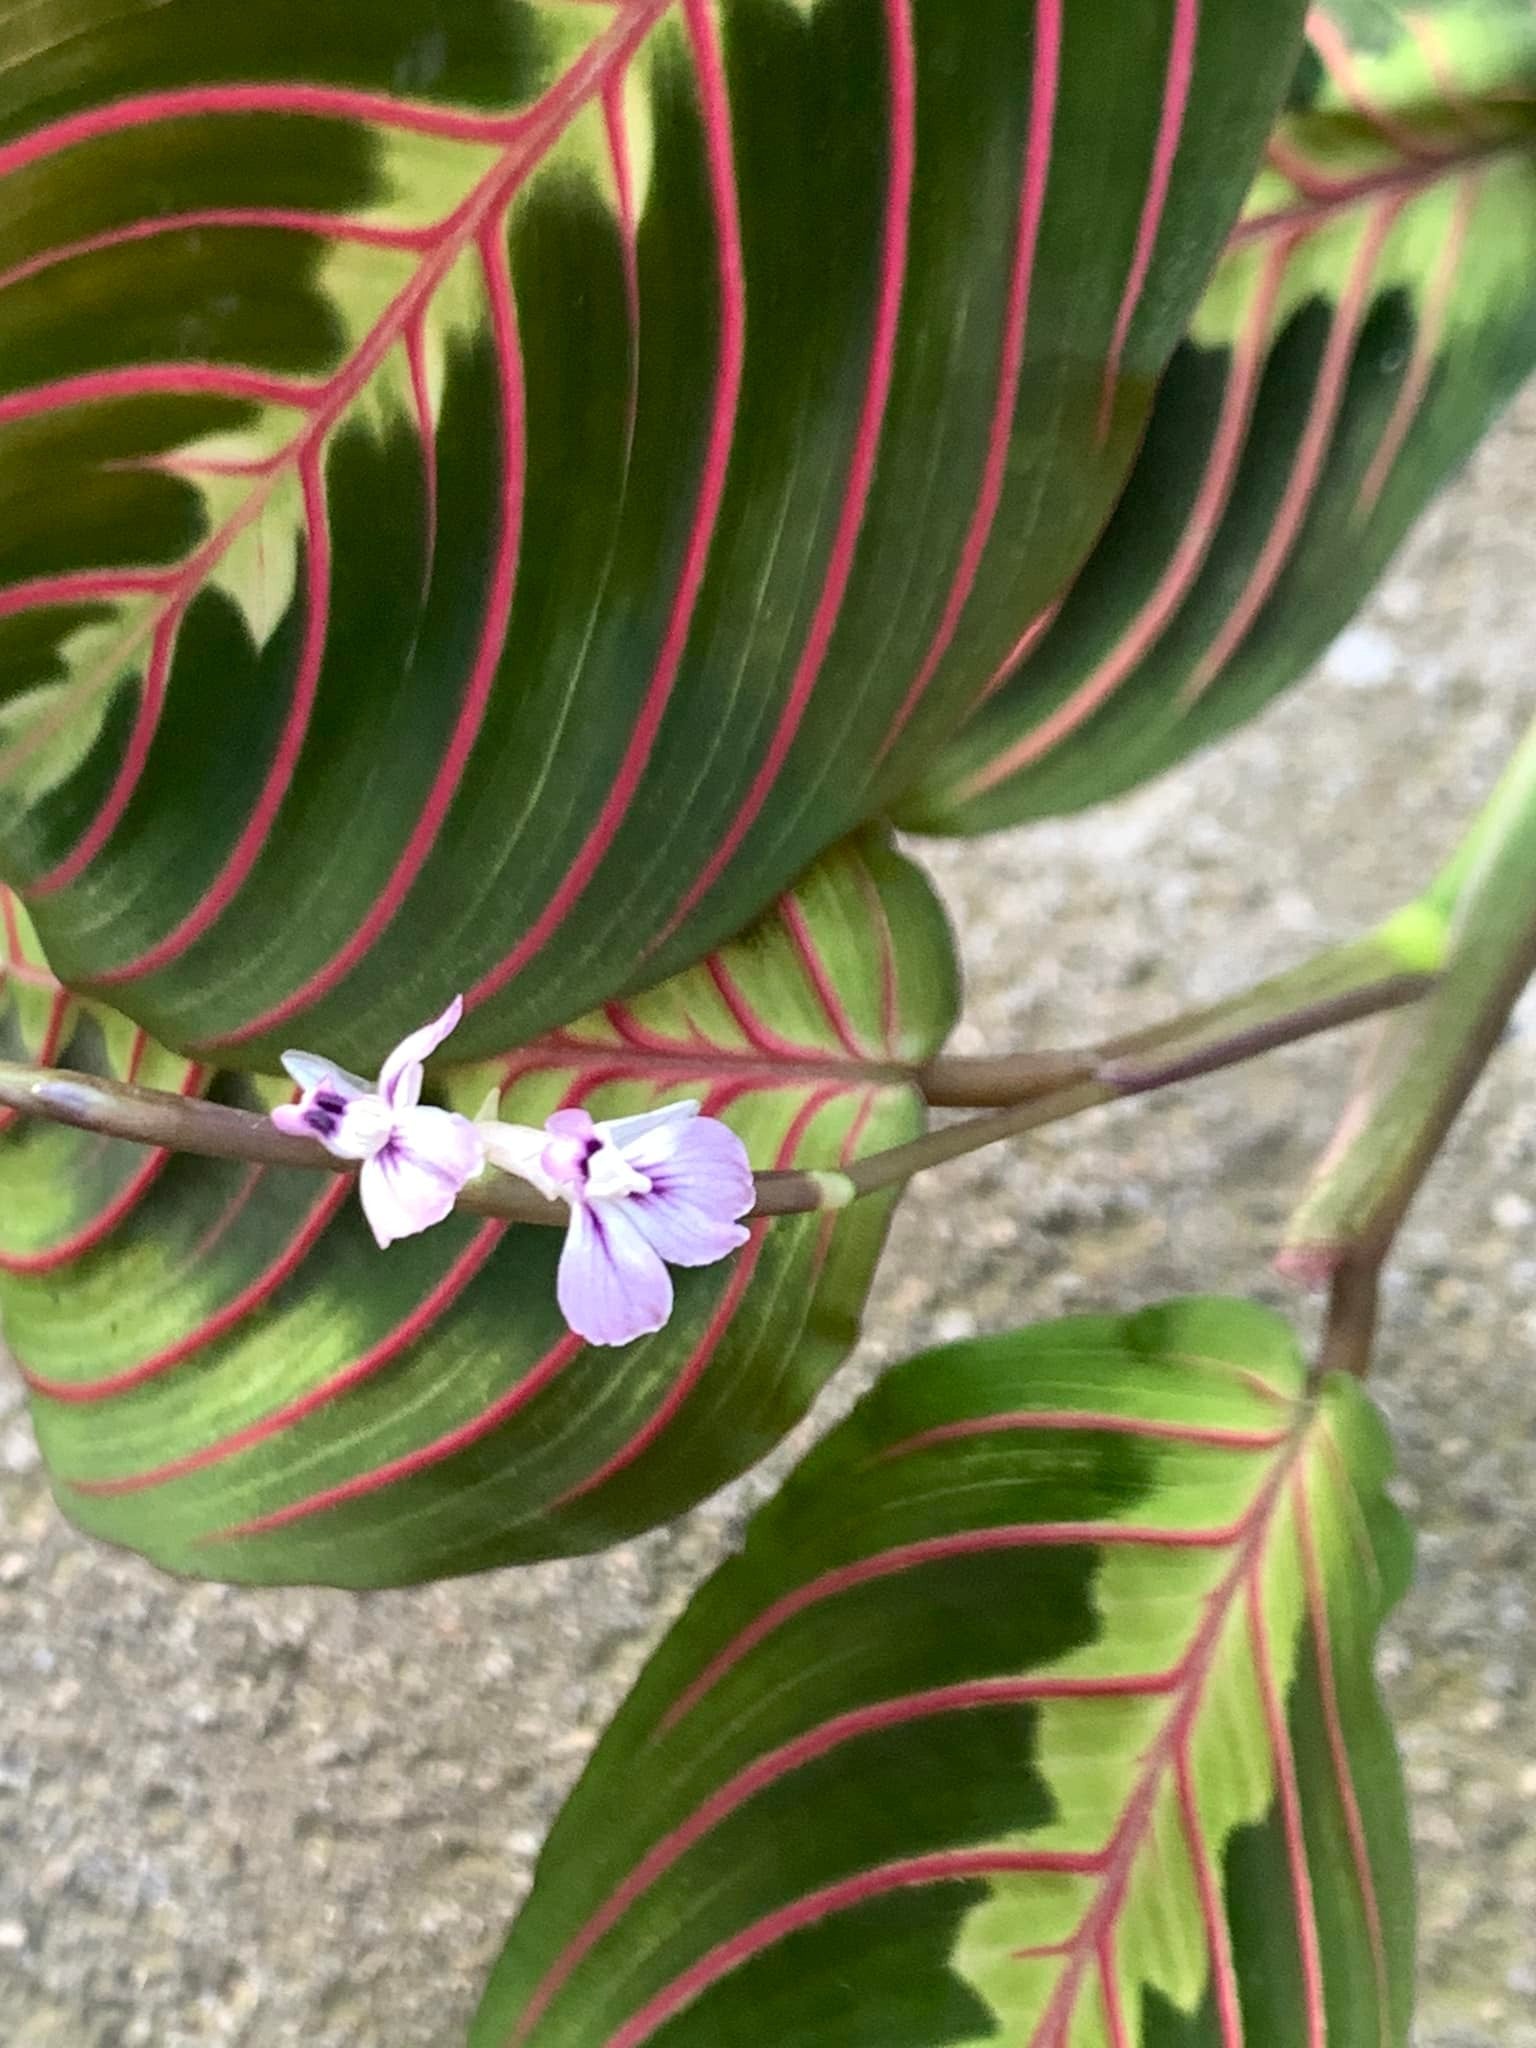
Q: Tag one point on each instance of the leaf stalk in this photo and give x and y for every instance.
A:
(1424, 1065)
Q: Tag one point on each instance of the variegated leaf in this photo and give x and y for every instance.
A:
(227, 1375)
(1374, 311)
(491, 491)
(1039, 1710)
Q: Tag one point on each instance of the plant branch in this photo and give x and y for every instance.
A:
(1354, 1304)
(1192, 1046)
(1345, 983)
(1002, 1080)
(1424, 1066)
(1116, 1077)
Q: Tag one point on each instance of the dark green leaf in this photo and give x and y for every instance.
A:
(1375, 309)
(491, 491)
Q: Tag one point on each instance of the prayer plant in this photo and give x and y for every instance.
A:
(506, 504)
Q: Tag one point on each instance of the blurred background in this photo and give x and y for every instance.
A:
(264, 1819)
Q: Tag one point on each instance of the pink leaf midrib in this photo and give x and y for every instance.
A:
(860, 478)
(1049, 30)
(768, 1769)
(1171, 1749)
(704, 35)
(1114, 1865)
(476, 700)
(528, 138)
(689, 1064)
(1328, 197)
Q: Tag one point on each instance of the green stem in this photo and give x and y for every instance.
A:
(1426, 1064)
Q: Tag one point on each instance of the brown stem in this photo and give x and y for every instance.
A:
(1331, 1013)
(213, 1130)
(1053, 1088)
(1337, 987)
(1349, 1335)
(1112, 1080)
(1002, 1082)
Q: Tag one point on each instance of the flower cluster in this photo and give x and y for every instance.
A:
(414, 1159)
(644, 1192)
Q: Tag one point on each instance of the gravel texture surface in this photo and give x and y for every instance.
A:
(294, 1818)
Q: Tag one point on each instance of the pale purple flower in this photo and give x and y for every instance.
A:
(645, 1192)
(414, 1160)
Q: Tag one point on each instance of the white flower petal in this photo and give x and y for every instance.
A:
(683, 1233)
(519, 1149)
(400, 1077)
(401, 1198)
(440, 1139)
(610, 1177)
(310, 1071)
(623, 1131)
(363, 1129)
(611, 1286)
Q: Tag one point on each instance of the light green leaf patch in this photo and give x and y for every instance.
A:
(1037, 1710)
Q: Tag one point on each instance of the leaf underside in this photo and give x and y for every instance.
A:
(1375, 310)
(1038, 1710)
(228, 1376)
(491, 492)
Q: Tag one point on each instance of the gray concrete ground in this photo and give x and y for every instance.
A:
(291, 1818)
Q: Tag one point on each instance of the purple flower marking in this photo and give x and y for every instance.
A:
(644, 1192)
(414, 1160)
